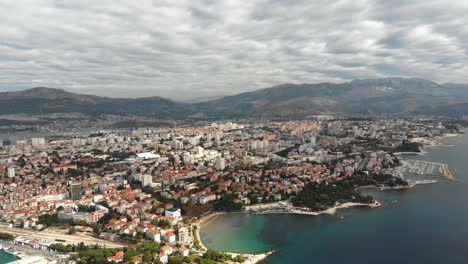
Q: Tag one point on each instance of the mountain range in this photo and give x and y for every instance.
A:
(386, 96)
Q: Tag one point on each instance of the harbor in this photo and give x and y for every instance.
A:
(425, 168)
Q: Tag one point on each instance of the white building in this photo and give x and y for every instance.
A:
(163, 257)
(183, 234)
(174, 213)
(148, 155)
(153, 235)
(220, 163)
(207, 198)
(146, 180)
(170, 237)
(37, 141)
(184, 251)
(11, 172)
(76, 142)
(313, 140)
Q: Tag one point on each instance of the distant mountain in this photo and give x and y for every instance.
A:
(394, 96)
(43, 100)
(359, 97)
(202, 99)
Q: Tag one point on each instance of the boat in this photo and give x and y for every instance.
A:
(11, 251)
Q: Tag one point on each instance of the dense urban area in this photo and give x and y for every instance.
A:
(140, 195)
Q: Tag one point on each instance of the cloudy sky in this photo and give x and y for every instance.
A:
(188, 48)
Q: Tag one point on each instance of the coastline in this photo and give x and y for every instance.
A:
(252, 258)
(285, 207)
(257, 258)
(331, 210)
(446, 173)
(249, 258)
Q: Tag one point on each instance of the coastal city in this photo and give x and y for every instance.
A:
(142, 195)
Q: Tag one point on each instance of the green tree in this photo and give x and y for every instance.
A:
(148, 257)
(71, 231)
(164, 223)
(6, 236)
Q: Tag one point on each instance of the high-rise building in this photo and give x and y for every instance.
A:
(76, 142)
(11, 172)
(253, 145)
(220, 163)
(147, 180)
(76, 191)
(37, 141)
(313, 141)
(21, 144)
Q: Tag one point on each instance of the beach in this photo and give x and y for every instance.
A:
(249, 258)
(256, 258)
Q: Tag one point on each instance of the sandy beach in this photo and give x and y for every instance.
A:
(249, 258)
(208, 218)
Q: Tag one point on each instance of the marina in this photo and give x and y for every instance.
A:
(425, 168)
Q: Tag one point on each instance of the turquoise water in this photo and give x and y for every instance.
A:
(5, 257)
(427, 224)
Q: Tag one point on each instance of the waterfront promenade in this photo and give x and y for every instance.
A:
(24, 251)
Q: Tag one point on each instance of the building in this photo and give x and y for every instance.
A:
(184, 236)
(163, 257)
(65, 167)
(76, 142)
(207, 198)
(167, 250)
(153, 235)
(174, 213)
(11, 172)
(37, 141)
(184, 251)
(170, 237)
(146, 180)
(76, 191)
(220, 163)
(117, 258)
(313, 141)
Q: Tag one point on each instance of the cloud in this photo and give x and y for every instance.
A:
(181, 49)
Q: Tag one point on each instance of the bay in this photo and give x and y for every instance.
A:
(426, 224)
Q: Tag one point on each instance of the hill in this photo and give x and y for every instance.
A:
(43, 100)
(389, 96)
(395, 96)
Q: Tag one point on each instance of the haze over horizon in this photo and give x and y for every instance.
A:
(189, 49)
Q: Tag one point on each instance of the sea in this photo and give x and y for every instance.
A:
(6, 257)
(14, 136)
(426, 224)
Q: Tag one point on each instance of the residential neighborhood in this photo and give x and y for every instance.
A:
(148, 185)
